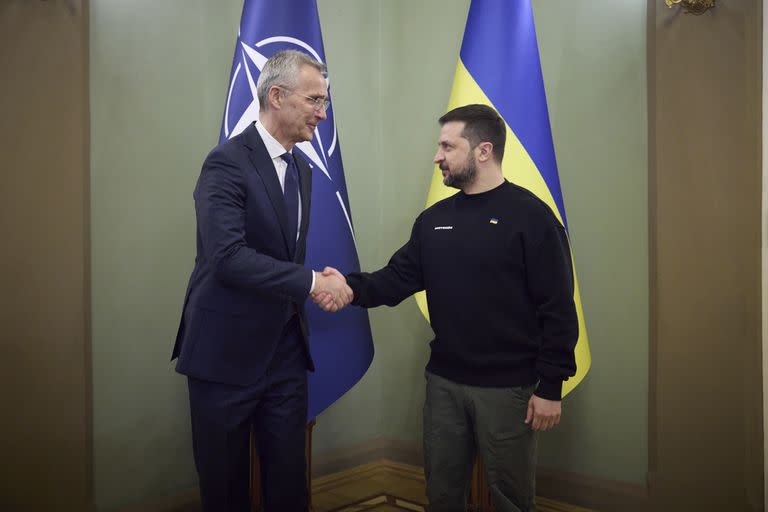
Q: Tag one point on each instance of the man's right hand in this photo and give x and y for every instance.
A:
(331, 292)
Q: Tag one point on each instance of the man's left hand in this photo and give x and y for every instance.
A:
(544, 414)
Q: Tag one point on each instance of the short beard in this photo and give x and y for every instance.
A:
(462, 177)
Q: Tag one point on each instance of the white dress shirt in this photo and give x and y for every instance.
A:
(276, 150)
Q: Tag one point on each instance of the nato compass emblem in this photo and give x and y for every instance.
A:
(242, 109)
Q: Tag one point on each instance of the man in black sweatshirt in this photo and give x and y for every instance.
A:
(495, 263)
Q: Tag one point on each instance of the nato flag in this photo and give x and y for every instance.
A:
(341, 342)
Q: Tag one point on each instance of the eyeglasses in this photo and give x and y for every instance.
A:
(317, 103)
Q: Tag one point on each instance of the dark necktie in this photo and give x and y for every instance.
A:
(291, 194)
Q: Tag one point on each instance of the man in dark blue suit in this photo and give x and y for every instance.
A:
(242, 340)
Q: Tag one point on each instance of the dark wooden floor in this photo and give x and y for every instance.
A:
(379, 486)
(388, 486)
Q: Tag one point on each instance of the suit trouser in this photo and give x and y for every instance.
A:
(460, 421)
(276, 408)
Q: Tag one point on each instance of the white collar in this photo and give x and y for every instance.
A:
(274, 148)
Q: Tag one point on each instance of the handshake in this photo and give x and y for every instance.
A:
(331, 291)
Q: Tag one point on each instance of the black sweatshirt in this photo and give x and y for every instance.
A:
(496, 267)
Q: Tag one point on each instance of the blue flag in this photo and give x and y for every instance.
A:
(341, 342)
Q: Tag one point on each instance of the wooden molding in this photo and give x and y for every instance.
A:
(593, 493)
(375, 458)
(405, 452)
(596, 493)
(185, 501)
(554, 488)
(705, 184)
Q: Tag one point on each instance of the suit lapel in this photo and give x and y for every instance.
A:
(266, 168)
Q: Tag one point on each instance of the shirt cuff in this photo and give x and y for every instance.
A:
(311, 288)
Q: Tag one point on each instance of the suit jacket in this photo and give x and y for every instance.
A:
(244, 286)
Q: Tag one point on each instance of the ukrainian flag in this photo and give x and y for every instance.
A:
(499, 66)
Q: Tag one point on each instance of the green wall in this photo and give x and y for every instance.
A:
(593, 60)
(388, 191)
(158, 79)
(355, 73)
(158, 82)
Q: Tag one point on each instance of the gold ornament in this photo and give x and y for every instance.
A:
(693, 6)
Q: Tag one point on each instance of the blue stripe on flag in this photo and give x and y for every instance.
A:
(500, 52)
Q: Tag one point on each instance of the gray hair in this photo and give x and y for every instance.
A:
(282, 69)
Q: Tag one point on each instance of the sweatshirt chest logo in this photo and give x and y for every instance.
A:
(443, 227)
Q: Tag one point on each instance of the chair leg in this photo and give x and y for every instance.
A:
(479, 492)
